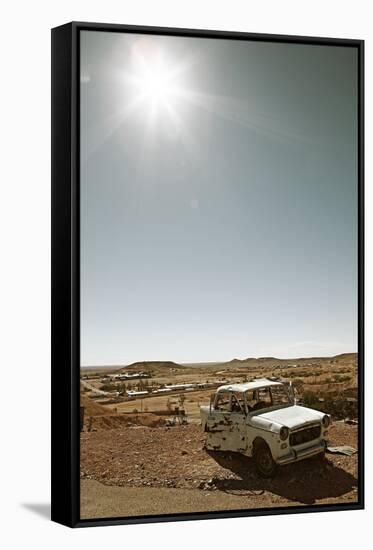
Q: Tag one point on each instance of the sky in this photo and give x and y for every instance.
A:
(218, 199)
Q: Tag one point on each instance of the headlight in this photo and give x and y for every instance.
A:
(325, 421)
(284, 433)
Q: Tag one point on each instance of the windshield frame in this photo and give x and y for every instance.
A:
(290, 402)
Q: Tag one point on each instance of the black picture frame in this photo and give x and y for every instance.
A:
(65, 491)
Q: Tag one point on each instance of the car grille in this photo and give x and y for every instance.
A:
(303, 436)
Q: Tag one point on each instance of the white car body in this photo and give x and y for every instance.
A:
(240, 430)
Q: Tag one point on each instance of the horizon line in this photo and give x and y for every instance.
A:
(122, 364)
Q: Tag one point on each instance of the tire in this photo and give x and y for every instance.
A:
(265, 465)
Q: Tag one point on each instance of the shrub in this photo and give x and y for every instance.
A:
(108, 387)
(336, 405)
(340, 378)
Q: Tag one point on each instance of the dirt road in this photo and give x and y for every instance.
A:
(144, 471)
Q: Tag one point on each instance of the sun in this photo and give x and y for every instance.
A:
(155, 85)
(155, 82)
(154, 93)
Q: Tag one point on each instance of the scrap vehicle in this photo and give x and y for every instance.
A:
(261, 419)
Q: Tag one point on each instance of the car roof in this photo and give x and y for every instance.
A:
(247, 386)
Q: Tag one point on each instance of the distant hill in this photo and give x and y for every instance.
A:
(235, 360)
(346, 356)
(266, 361)
(253, 361)
(149, 365)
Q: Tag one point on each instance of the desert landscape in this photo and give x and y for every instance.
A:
(142, 447)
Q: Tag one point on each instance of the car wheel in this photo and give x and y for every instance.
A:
(264, 462)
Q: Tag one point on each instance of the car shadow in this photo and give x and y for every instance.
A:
(306, 481)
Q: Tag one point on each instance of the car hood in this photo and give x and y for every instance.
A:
(291, 417)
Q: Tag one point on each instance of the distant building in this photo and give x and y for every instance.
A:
(134, 393)
(176, 387)
(131, 375)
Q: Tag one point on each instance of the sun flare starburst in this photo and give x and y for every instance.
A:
(156, 83)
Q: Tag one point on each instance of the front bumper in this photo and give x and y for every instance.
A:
(294, 455)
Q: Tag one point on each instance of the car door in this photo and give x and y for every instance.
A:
(236, 436)
(226, 425)
(217, 422)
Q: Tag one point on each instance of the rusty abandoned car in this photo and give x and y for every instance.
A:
(261, 419)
